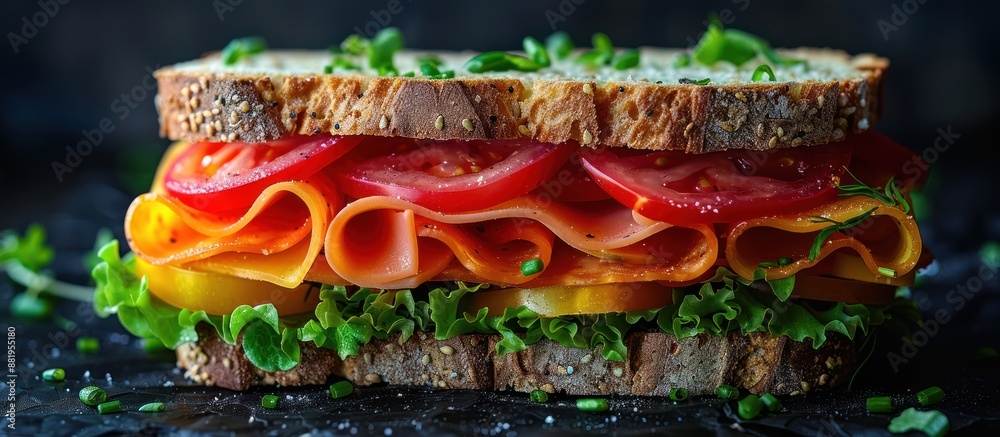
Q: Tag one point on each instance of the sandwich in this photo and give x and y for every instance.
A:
(585, 221)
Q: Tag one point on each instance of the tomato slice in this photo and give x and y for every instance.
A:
(719, 187)
(218, 177)
(449, 176)
(571, 183)
(220, 294)
(876, 158)
(561, 300)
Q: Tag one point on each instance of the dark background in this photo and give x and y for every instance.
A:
(75, 70)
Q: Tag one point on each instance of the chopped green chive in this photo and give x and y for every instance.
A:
(594, 59)
(890, 194)
(749, 407)
(241, 48)
(602, 42)
(879, 404)
(536, 51)
(929, 396)
(602, 53)
(539, 397)
(383, 47)
(269, 402)
(500, 61)
(784, 261)
(354, 45)
(728, 392)
(88, 345)
(772, 403)
(688, 81)
(152, 407)
(592, 404)
(758, 74)
(626, 60)
(678, 394)
(885, 271)
(682, 61)
(735, 47)
(766, 264)
(836, 226)
(531, 267)
(93, 395)
(56, 374)
(109, 407)
(340, 389)
(559, 45)
(933, 423)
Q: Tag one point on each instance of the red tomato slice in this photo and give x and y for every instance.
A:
(572, 183)
(449, 176)
(876, 158)
(720, 187)
(226, 176)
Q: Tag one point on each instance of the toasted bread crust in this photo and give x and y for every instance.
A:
(656, 363)
(212, 105)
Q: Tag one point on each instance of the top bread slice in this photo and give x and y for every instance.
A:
(283, 93)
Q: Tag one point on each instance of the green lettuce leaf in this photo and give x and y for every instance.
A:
(346, 320)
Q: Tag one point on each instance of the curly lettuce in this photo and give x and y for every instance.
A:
(346, 320)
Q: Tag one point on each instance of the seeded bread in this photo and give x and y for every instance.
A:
(282, 93)
(656, 363)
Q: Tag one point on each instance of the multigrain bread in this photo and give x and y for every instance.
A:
(656, 362)
(281, 93)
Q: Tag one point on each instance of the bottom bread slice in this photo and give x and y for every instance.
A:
(656, 362)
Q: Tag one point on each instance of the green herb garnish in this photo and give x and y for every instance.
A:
(699, 82)
(536, 51)
(56, 374)
(758, 74)
(152, 407)
(890, 195)
(559, 45)
(341, 389)
(531, 267)
(879, 404)
(354, 44)
(682, 61)
(93, 395)
(429, 67)
(933, 423)
(383, 47)
(109, 407)
(929, 396)
(834, 227)
(500, 61)
(539, 397)
(626, 60)
(678, 394)
(592, 404)
(269, 401)
(885, 271)
(728, 392)
(24, 258)
(735, 47)
(772, 403)
(88, 345)
(602, 53)
(749, 407)
(241, 48)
